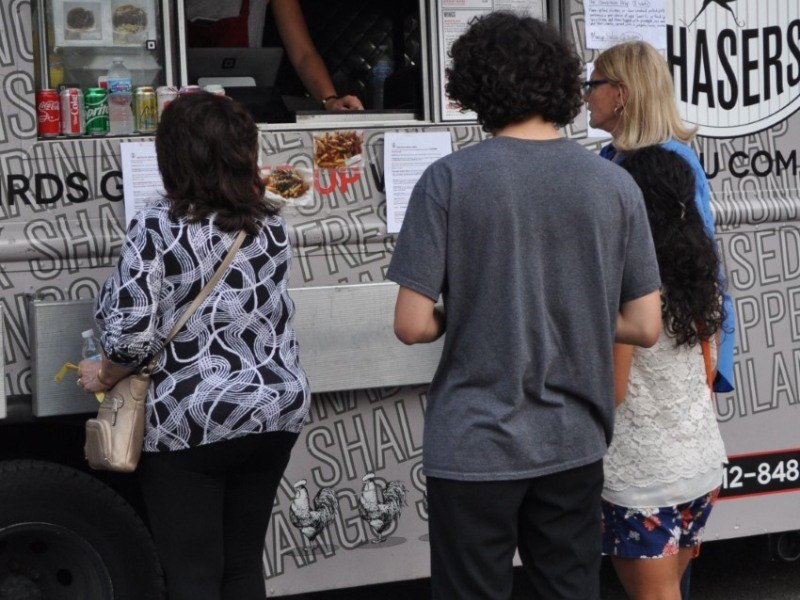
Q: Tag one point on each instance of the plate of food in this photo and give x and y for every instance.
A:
(338, 149)
(129, 23)
(286, 184)
(81, 19)
(80, 23)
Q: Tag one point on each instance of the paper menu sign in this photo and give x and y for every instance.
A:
(141, 181)
(405, 157)
(610, 22)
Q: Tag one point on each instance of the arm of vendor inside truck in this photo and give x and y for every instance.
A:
(417, 318)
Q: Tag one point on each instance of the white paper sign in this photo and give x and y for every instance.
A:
(405, 157)
(141, 181)
(610, 22)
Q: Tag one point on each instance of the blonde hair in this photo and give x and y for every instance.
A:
(650, 115)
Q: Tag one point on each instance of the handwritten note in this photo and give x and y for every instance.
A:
(610, 22)
(141, 181)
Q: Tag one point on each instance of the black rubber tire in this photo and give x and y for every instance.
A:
(66, 535)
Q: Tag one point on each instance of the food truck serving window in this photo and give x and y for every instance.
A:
(371, 50)
(390, 55)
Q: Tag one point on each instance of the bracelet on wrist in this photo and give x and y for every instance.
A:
(326, 99)
(101, 380)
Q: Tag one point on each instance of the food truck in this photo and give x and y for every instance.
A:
(343, 178)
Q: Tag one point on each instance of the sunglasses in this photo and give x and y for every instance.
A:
(589, 85)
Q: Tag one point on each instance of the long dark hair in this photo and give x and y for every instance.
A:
(207, 148)
(691, 295)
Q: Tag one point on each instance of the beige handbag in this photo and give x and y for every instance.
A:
(114, 438)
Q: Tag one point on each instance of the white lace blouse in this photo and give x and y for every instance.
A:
(667, 447)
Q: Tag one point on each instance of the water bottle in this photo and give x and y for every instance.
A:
(120, 113)
(120, 97)
(91, 346)
(119, 77)
(381, 71)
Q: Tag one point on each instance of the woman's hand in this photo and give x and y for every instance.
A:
(100, 375)
(88, 376)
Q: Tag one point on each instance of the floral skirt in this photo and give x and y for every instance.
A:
(655, 532)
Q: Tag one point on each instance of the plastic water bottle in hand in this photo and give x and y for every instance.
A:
(91, 346)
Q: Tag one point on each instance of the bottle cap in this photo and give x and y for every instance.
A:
(87, 334)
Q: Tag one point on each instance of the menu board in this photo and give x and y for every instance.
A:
(610, 22)
(454, 17)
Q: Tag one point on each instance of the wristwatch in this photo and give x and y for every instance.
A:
(326, 99)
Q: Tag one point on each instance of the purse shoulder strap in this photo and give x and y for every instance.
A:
(200, 298)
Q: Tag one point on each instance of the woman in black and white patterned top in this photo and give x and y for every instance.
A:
(229, 395)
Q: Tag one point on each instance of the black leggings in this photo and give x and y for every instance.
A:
(209, 508)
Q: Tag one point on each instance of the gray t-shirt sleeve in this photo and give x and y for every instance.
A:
(640, 275)
(420, 254)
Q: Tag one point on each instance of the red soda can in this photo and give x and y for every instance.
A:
(190, 89)
(72, 117)
(48, 113)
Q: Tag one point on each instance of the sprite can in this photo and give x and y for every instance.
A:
(145, 110)
(95, 106)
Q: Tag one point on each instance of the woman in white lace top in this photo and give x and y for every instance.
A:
(664, 466)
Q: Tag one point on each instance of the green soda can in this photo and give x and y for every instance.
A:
(145, 110)
(95, 107)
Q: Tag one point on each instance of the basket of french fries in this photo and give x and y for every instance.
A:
(286, 184)
(338, 149)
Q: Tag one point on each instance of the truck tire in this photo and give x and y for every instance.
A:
(65, 535)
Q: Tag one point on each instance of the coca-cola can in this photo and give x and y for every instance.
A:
(164, 95)
(72, 117)
(48, 113)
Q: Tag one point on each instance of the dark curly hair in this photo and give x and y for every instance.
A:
(207, 148)
(691, 295)
(508, 68)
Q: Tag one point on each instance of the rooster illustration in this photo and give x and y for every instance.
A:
(311, 521)
(380, 505)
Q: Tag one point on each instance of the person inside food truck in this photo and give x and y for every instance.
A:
(240, 23)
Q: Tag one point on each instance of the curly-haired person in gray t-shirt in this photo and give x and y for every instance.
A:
(542, 254)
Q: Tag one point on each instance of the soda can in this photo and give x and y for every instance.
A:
(95, 103)
(145, 110)
(164, 95)
(48, 113)
(190, 89)
(72, 117)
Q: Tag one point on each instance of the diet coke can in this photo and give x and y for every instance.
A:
(164, 95)
(48, 113)
(72, 117)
